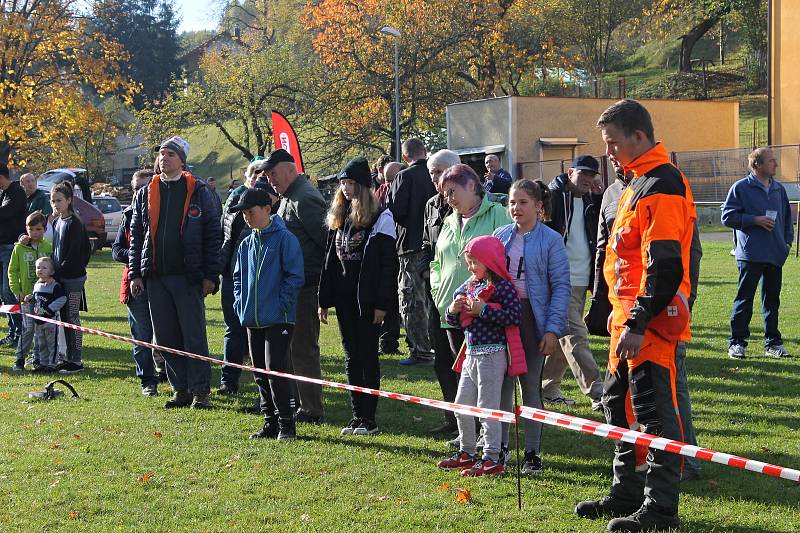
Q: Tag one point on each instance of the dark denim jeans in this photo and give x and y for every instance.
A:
(750, 274)
(8, 297)
(142, 330)
(234, 341)
(690, 464)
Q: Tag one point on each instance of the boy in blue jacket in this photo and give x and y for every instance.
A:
(266, 282)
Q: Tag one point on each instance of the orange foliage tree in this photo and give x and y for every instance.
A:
(449, 51)
(50, 71)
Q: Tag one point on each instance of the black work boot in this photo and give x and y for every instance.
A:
(202, 400)
(286, 429)
(606, 506)
(269, 431)
(645, 519)
(179, 399)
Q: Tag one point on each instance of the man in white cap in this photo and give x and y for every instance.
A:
(174, 256)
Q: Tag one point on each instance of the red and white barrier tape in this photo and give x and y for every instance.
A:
(600, 429)
(573, 423)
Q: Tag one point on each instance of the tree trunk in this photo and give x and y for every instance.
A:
(690, 39)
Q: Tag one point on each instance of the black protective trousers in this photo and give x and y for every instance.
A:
(651, 388)
(269, 348)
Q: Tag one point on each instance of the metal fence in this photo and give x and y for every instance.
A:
(710, 172)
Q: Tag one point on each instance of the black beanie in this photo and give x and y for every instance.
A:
(358, 170)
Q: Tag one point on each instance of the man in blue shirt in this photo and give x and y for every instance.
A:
(757, 207)
(496, 180)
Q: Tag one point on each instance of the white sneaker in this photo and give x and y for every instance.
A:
(777, 351)
(736, 351)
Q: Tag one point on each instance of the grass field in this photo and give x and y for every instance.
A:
(116, 460)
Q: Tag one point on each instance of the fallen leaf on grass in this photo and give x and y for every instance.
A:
(304, 517)
(382, 498)
(401, 502)
(765, 449)
(54, 483)
(73, 515)
(157, 434)
(76, 436)
(144, 477)
(443, 487)
(4, 395)
(55, 446)
(463, 495)
(58, 461)
(417, 418)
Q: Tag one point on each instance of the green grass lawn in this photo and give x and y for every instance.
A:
(116, 460)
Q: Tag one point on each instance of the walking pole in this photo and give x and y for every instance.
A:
(516, 439)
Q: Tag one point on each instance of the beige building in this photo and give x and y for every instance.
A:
(785, 79)
(534, 135)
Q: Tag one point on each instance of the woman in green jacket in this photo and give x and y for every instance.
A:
(473, 215)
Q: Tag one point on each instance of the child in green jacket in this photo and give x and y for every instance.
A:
(22, 276)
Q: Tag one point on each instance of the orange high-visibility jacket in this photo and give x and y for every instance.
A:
(647, 256)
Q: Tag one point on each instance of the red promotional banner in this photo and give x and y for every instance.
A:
(286, 138)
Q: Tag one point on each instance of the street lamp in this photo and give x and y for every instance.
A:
(394, 32)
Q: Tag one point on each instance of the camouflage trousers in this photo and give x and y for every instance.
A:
(414, 302)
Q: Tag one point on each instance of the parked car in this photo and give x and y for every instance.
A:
(91, 217)
(93, 220)
(79, 178)
(112, 213)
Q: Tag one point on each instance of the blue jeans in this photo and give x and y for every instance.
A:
(142, 330)
(750, 274)
(6, 295)
(234, 342)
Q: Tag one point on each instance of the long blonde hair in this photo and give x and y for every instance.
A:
(360, 211)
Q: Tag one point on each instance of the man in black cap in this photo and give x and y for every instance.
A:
(575, 211)
(303, 209)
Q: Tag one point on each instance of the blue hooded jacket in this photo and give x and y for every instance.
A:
(747, 199)
(546, 276)
(268, 276)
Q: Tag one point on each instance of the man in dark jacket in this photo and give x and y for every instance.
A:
(411, 189)
(436, 210)
(37, 199)
(13, 210)
(496, 180)
(138, 307)
(303, 209)
(175, 245)
(574, 215)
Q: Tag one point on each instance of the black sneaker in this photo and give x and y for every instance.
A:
(645, 519)
(179, 399)
(69, 367)
(304, 417)
(366, 427)
(269, 431)
(606, 506)
(286, 429)
(227, 390)
(532, 464)
(43, 369)
(150, 390)
(351, 426)
(18, 366)
(201, 401)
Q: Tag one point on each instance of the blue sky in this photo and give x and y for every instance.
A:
(196, 14)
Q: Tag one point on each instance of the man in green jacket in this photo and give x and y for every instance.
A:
(37, 199)
(303, 209)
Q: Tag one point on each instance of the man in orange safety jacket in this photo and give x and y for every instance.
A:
(647, 271)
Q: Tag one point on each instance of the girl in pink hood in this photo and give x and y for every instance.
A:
(487, 308)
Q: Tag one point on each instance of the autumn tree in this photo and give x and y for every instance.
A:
(50, 68)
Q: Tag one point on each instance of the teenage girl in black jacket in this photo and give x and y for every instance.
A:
(359, 279)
